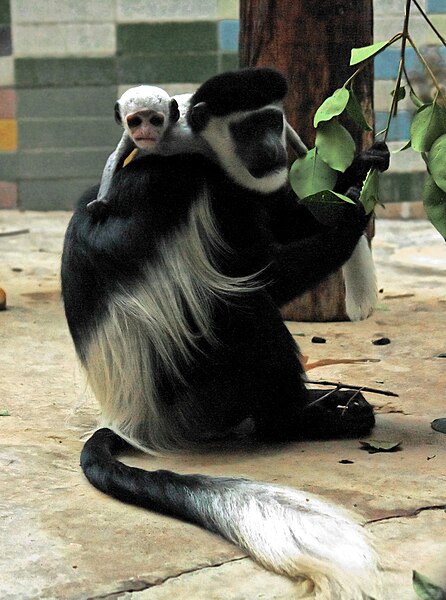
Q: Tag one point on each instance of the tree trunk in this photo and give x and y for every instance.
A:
(310, 42)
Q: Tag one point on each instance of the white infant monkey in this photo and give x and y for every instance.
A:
(153, 122)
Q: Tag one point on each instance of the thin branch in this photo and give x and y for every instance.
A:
(360, 388)
(427, 67)
(431, 25)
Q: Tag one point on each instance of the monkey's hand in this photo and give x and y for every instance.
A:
(99, 207)
(376, 157)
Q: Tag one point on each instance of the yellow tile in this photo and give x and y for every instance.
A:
(8, 134)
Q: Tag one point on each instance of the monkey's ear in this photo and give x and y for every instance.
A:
(118, 118)
(199, 116)
(174, 111)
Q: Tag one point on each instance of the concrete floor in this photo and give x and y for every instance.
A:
(61, 539)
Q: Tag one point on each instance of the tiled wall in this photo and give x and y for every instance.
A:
(68, 63)
(63, 63)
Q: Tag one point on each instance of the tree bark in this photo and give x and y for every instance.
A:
(310, 42)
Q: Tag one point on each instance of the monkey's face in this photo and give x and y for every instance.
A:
(146, 127)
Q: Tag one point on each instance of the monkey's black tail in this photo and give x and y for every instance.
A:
(287, 531)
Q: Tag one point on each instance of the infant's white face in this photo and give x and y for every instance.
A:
(146, 127)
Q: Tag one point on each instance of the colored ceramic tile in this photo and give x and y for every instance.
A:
(92, 101)
(228, 35)
(228, 9)
(7, 71)
(8, 102)
(436, 6)
(399, 126)
(154, 10)
(229, 61)
(65, 39)
(178, 68)
(160, 38)
(8, 194)
(5, 40)
(401, 187)
(386, 63)
(62, 11)
(8, 135)
(68, 133)
(61, 163)
(60, 72)
(53, 194)
(5, 13)
(8, 166)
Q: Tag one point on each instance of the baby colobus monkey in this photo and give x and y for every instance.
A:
(156, 123)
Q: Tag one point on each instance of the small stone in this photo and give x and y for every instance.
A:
(2, 299)
(381, 341)
(318, 340)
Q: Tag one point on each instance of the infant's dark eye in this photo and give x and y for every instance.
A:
(134, 121)
(157, 120)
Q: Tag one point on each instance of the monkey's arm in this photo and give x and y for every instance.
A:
(114, 162)
(300, 265)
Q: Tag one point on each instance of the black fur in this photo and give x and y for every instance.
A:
(246, 89)
(253, 371)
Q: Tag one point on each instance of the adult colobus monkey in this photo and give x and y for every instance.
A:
(173, 303)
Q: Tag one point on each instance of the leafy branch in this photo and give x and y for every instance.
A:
(314, 176)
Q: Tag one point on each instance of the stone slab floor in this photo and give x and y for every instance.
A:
(61, 539)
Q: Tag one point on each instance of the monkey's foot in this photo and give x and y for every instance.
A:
(336, 414)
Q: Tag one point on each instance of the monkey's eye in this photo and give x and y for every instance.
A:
(157, 120)
(134, 121)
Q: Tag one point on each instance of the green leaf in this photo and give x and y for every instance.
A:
(436, 162)
(360, 54)
(370, 191)
(379, 445)
(428, 124)
(335, 145)
(326, 197)
(439, 425)
(332, 106)
(354, 109)
(434, 200)
(311, 174)
(5, 413)
(406, 146)
(425, 589)
(327, 207)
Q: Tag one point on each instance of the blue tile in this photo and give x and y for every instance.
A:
(436, 6)
(399, 126)
(228, 34)
(386, 63)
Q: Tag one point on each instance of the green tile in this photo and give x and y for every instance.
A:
(5, 13)
(58, 164)
(168, 68)
(50, 194)
(60, 72)
(158, 38)
(8, 166)
(229, 61)
(401, 187)
(68, 133)
(94, 101)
